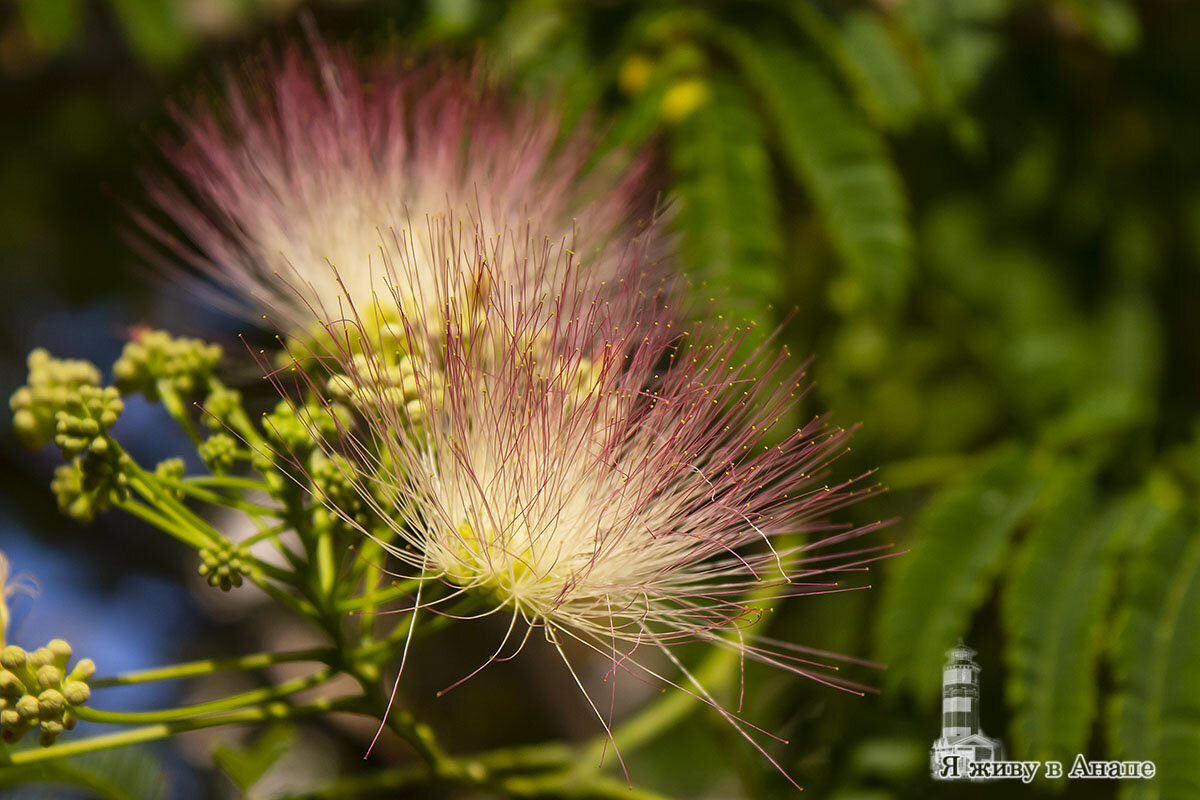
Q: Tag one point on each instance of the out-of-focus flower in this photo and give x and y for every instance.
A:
(10, 586)
(619, 485)
(313, 172)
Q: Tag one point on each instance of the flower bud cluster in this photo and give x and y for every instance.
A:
(219, 453)
(186, 365)
(220, 407)
(334, 486)
(82, 426)
(53, 385)
(89, 484)
(171, 470)
(293, 429)
(223, 565)
(381, 383)
(63, 401)
(37, 690)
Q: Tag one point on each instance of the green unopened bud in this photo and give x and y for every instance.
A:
(10, 684)
(41, 657)
(50, 732)
(76, 692)
(84, 669)
(9, 718)
(61, 650)
(49, 677)
(69, 718)
(12, 657)
(52, 703)
(28, 707)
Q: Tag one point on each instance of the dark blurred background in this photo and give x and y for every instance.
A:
(981, 217)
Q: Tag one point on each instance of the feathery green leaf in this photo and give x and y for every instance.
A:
(957, 546)
(130, 773)
(1156, 660)
(1056, 601)
(728, 213)
(836, 155)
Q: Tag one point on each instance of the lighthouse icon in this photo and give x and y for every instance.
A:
(963, 741)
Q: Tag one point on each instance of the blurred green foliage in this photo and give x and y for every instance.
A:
(986, 215)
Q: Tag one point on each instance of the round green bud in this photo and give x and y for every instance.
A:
(49, 677)
(76, 692)
(41, 657)
(28, 707)
(12, 657)
(9, 718)
(10, 684)
(50, 732)
(52, 703)
(84, 669)
(62, 652)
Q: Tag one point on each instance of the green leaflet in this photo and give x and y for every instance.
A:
(886, 84)
(246, 766)
(728, 214)
(836, 155)
(1055, 608)
(957, 545)
(126, 774)
(1125, 349)
(1156, 660)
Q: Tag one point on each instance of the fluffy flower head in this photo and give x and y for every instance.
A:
(315, 167)
(593, 473)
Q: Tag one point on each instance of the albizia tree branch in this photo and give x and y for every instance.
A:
(490, 377)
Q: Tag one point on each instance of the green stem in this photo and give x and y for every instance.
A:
(482, 769)
(250, 698)
(393, 592)
(326, 570)
(149, 486)
(563, 786)
(169, 526)
(265, 533)
(232, 482)
(150, 733)
(239, 420)
(191, 669)
(173, 403)
(190, 488)
(297, 604)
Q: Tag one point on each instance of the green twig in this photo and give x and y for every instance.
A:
(209, 666)
(250, 698)
(150, 733)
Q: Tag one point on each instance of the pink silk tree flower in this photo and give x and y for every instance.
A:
(588, 471)
(311, 166)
